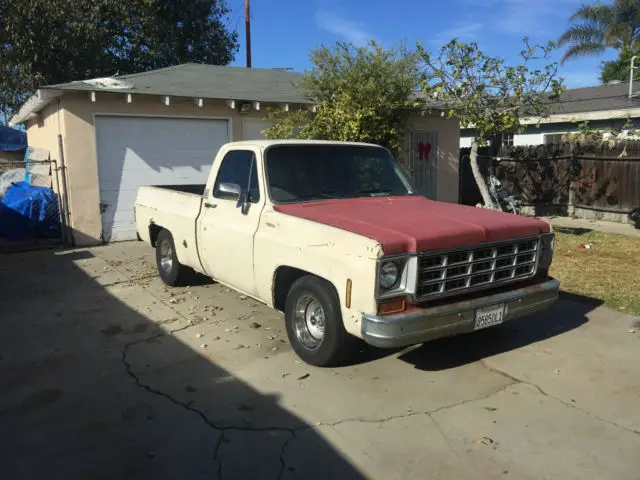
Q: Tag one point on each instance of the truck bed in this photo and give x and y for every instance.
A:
(175, 208)
(195, 189)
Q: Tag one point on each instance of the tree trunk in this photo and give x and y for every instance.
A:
(477, 175)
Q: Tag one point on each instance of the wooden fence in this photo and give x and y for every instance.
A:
(591, 181)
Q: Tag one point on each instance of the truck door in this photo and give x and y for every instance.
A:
(226, 230)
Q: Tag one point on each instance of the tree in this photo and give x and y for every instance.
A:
(619, 69)
(596, 28)
(487, 95)
(170, 32)
(56, 41)
(359, 95)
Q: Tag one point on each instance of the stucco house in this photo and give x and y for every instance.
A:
(165, 127)
(604, 107)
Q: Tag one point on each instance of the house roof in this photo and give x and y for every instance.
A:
(203, 81)
(603, 102)
(186, 80)
(594, 99)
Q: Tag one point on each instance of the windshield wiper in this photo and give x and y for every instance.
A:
(373, 192)
(323, 194)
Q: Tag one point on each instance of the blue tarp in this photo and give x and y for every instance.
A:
(29, 211)
(12, 140)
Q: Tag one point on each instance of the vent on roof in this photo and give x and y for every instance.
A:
(108, 82)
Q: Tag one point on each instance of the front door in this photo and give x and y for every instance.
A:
(226, 233)
(424, 162)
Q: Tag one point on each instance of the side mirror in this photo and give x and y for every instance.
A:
(229, 190)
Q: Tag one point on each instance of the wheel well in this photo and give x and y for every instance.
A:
(283, 280)
(154, 231)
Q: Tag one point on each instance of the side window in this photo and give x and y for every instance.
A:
(239, 167)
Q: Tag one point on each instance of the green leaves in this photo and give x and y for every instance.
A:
(595, 28)
(360, 95)
(56, 41)
(620, 68)
(485, 93)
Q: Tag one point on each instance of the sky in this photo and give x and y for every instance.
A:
(283, 32)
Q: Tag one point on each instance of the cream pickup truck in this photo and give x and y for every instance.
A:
(333, 235)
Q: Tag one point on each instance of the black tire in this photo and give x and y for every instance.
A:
(336, 345)
(172, 272)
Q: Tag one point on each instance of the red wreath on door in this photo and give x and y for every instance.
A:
(424, 150)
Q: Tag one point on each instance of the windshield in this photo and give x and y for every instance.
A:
(298, 173)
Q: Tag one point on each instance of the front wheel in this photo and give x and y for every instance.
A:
(314, 323)
(172, 272)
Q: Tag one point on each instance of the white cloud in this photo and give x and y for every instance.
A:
(351, 31)
(524, 17)
(463, 31)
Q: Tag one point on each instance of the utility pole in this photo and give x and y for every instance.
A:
(247, 28)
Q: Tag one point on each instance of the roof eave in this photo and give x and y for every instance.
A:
(34, 105)
(162, 93)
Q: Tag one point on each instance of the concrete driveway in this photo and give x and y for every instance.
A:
(105, 373)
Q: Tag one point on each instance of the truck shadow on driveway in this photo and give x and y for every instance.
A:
(92, 388)
(567, 314)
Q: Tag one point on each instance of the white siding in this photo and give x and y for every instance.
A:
(523, 139)
(465, 142)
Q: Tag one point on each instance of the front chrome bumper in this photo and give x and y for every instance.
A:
(426, 324)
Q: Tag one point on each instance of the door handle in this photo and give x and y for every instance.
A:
(210, 205)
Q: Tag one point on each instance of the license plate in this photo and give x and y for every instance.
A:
(489, 316)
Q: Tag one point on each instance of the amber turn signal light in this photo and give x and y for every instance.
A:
(396, 305)
(347, 302)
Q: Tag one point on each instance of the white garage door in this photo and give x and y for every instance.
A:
(136, 151)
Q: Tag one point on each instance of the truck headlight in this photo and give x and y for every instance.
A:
(389, 275)
(547, 242)
(396, 276)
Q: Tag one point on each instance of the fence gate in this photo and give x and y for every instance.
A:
(423, 163)
(30, 209)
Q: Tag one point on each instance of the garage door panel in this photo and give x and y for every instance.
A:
(165, 177)
(137, 151)
(133, 162)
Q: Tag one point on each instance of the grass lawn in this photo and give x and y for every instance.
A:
(609, 270)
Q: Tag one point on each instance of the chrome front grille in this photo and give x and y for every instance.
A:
(456, 271)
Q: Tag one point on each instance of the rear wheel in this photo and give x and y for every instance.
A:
(171, 271)
(314, 323)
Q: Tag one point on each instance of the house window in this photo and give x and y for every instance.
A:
(507, 139)
(550, 138)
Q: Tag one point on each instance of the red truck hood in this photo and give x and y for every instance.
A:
(416, 224)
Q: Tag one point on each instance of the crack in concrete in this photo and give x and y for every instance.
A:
(444, 435)
(188, 406)
(413, 414)
(291, 431)
(558, 399)
(283, 462)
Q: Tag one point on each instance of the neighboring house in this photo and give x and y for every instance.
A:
(604, 107)
(13, 143)
(165, 127)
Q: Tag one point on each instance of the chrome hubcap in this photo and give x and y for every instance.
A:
(166, 256)
(309, 321)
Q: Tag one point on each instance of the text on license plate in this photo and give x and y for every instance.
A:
(489, 316)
